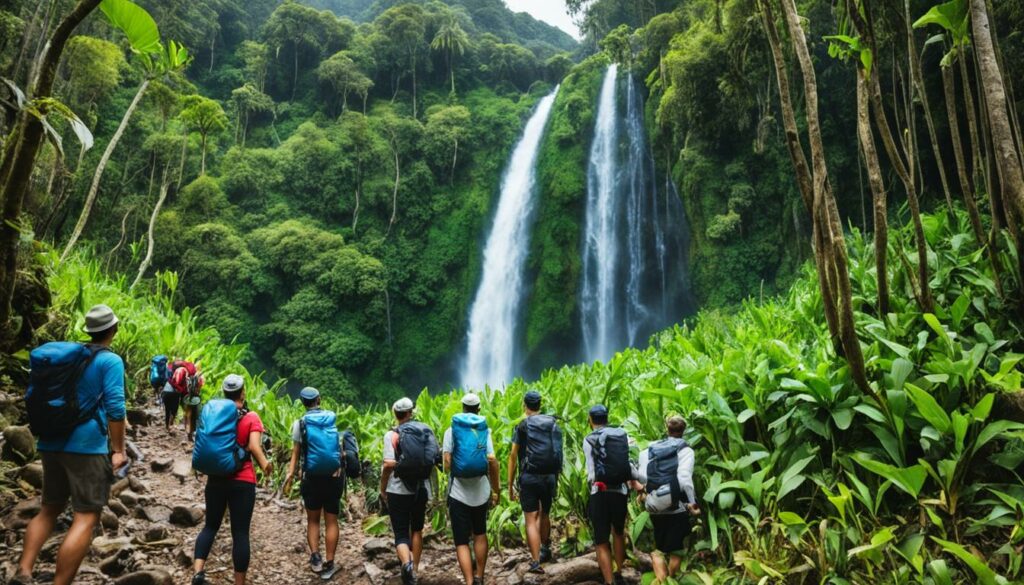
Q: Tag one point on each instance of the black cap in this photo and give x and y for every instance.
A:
(532, 399)
(598, 411)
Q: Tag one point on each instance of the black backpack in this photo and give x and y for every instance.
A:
(417, 453)
(663, 466)
(609, 448)
(543, 445)
(350, 455)
(51, 400)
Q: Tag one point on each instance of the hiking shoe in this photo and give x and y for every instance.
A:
(199, 578)
(535, 568)
(478, 581)
(21, 580)
(408, 574)
(618, 579)
(316, 563)
(330, 570)
(545, 553)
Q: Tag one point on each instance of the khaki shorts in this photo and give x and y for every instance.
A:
(85, 479)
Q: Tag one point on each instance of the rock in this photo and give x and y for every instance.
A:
(117, 507)
(137, 485)
(21, 514)
(575, 570)
(129, 498)
(109, 520)
(181, 469)
(161, 464)
(183, 556)
(186, 515)
(147, 577)
(133, 451)
(103, 546)
(116, 563)
(19, 445)
(375, 547)
(154, 513)
(375, 574)
(32, 474)
(156, 532)
(139, 416)
(118, 487)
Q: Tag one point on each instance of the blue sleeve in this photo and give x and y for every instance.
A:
(113, 387)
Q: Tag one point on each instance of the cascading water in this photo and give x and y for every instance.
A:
(634, 274)
(491, 352)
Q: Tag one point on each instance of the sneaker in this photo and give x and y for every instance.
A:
(330, 570)
(316, 563)
(21, 580)
(199, 578)
(478, 581)
(535, 568)
(545, 553)
(408, 574)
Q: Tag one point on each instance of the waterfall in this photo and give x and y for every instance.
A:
(634, 278)
(600, 245)
(492, 357)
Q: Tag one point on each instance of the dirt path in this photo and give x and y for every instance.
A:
(149, 531)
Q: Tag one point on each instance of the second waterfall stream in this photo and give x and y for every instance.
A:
(492, 354)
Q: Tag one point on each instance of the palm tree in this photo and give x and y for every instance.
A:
(451, 39)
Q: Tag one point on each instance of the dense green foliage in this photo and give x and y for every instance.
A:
(337, 171)
(799, 472)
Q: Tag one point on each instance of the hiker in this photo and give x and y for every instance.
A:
(229, 438)
(609, 474)
(172, 401)
(158, 375)
(73, 439)
(666, 471)
(537, 451)
(318, 445)
(411, 454)
(469, 458)
(187, 381)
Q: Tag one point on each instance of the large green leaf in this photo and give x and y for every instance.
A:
(137, 24)
(909, 479)
(985, 575)
(929, 408)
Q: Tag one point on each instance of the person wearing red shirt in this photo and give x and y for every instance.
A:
(235, 493)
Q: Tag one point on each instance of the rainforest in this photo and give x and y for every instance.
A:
(797, 223)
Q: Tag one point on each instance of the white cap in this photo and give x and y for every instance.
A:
(403, 405)
(470, 399)
(232, 383)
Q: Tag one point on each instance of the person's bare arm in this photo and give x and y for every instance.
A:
(513, 459)
(492, 472)
(385, 475)
(256, 449)
(447, 462)
(116, 430)
(293, 464)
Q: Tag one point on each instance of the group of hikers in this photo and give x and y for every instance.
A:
(76, 407)
(178, 385)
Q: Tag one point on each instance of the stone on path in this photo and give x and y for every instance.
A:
(575, 570)
(153, 576)
(117, 507)
(109, 520)
(129, 498)
(186, 515)
(139, 417)
(19, 445)
(32, 474)
(153, 513)
(375, 547)
(103, 546)
(161, 464)
(181, 469)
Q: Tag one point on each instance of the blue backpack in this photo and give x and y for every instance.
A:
(469, 445)
(158, 371)
(321, 449)
(51, 400)
(216, 450)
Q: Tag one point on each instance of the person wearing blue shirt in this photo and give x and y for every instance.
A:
(80, 466)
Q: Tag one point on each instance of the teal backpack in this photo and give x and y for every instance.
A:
(321, 448)
(216, 451)
(469, 445)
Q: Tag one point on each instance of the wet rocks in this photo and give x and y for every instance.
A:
(117, 507)
(181, 469)
(153, 513)
(21, 514)
(139, 417)
(375, 547)
(109, 520)
(103, 546)
(19, 445)
(149, 576)
(186, 515)
(161, 464)
(129, 498)
(32, 474)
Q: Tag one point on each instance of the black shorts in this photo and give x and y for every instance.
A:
(467, 521)
(322, 493)
(607, 512)
(669, 531)
(85, 479)
(407, 514)
(536, 492)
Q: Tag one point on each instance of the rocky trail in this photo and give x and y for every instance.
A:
(154, 515)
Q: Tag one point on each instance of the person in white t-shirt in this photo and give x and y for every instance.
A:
(470, 495)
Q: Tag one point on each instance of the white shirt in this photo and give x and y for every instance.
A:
(684, 475)
(588, 455)
(472, 491)
(395, 485)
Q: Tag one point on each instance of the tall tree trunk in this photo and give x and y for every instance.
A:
(121, 240)
(202, 164)
(20, 155)
(1011, 175)
(455, 160)
(394, 194)
(832, 238)
(966, 188)
(165, 186)
(905, 172)
(415, 111)
(451, 69)
(878, 195)
(94, 188)
(25, 42)
(295, 75)
(975, 147)
(917, 82)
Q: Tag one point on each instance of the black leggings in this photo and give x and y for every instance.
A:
(240, 498)
(171, 400)
(407, 514)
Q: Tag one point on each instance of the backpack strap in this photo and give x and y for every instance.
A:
(94, 411)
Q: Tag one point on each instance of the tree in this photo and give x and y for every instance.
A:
(255, 57)
(94, 67)
(248, 100)
(206, 116)
(163, 146)
(450, 39)
(156, 63)
(342, 74)
(400, 134)
(303, 27)
(445, 130)
(405, 28)
(360, 145)
(20, 153)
